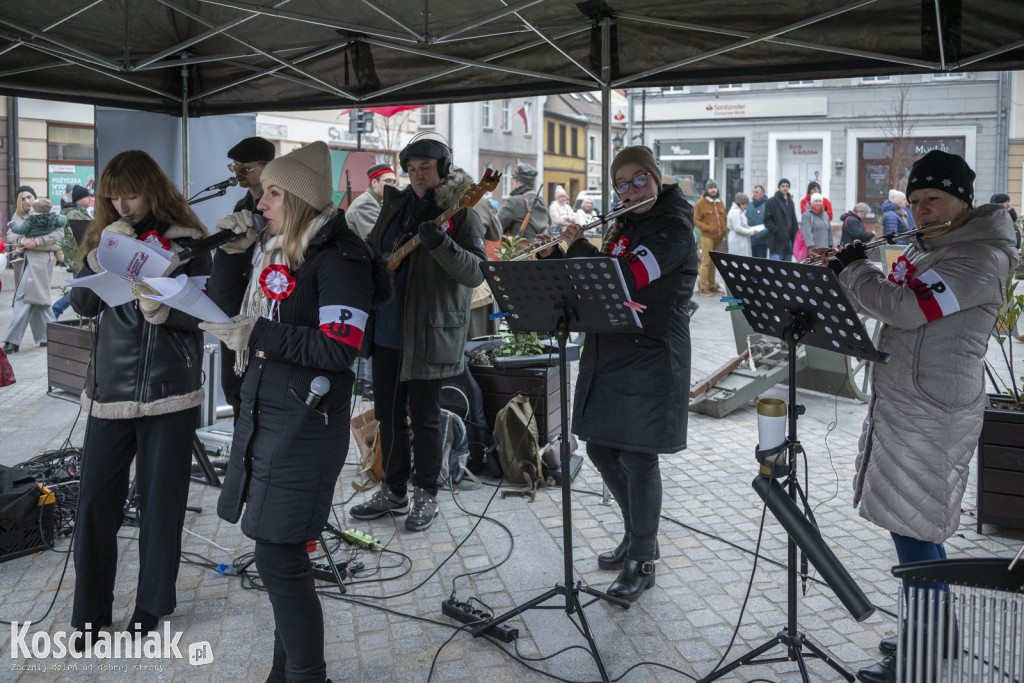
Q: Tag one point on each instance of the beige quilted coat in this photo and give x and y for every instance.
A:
(926, 405)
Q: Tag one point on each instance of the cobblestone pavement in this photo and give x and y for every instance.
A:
(389, 626)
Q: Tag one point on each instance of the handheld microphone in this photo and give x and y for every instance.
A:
(224, 184)
(213, 241)
(317, 389)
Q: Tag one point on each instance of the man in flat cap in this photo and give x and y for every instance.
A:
(363, 212)
(524, 199)
(248, 158)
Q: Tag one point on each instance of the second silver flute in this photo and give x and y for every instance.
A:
(530, 251)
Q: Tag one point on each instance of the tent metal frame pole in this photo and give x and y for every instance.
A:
(606, 110)
(184, 131)
(753, 40)
(316, 21)
(327, 87)
(831, 49)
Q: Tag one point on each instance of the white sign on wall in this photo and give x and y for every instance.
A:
(718, 108)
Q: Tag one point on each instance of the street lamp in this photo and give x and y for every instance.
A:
(616, 143)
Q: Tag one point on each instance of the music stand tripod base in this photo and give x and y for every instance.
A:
(799, 304)
(555, 296)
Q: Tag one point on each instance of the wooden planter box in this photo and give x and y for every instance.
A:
(68, 348)
(1001, 469)
(540, 385)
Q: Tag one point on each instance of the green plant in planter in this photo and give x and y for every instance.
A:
(515, 344)
(1011, 313)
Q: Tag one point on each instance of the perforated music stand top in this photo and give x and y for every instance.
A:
(772, 291)
(535, 294)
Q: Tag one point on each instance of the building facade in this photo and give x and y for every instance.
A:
(850, 135)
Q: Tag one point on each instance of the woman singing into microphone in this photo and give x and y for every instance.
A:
(306, 287)
(142, 392)
(938, 307)
(633, 388)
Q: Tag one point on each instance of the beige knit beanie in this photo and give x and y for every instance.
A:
(306, 173)
(641, 156)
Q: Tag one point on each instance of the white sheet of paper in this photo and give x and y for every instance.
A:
(124, 260)
(112, 289)
(129, 258)
(185, 294)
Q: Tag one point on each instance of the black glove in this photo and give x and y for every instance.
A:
(851, 252)
(429, 235)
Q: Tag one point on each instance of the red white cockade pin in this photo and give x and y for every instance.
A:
(277, 284)
(902, 271)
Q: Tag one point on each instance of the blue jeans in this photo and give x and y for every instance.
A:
(61, 304)
(913, 550)
(635, 481)
(775, 257)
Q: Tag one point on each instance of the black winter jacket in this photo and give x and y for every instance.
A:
(140, 368)
(633, 389)
(286, 456)
(853, 229)
(781, 223)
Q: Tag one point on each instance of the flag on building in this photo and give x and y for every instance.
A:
(524, 114)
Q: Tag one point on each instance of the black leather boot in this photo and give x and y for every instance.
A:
(141, 623)
(634, 579)
(613, 559)
(880, 672)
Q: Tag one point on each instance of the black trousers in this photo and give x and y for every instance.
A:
(298, 618)
(635, 481)
(161, 446)
(420, 402)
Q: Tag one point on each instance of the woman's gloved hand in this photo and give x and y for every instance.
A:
(243, 224)
(846, 255)
(234, 334)
(147, 305)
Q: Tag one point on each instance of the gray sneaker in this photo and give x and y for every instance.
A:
(381, 503)
(424, 509)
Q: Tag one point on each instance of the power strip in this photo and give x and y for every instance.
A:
(461, 612)
(361, 539)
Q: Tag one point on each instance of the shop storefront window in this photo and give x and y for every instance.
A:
(70, 152)
(877, 158)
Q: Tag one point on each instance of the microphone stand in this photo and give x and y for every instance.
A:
(219, 193)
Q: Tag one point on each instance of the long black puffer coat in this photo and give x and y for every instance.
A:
(633, 389)
(286, 456)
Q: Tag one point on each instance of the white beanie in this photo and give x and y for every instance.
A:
(305, 173)
(895, 196)
(816, 197)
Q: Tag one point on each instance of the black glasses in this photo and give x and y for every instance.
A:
(238, 168)
(640, 180)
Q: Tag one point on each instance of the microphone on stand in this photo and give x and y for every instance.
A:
(224, 184)
(317, 389)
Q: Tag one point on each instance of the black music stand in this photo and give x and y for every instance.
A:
(555, 296)
(797, 303)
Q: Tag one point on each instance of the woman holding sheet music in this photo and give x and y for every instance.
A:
(142, 393)
(633, 388)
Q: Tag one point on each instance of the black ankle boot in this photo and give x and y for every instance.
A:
(880, 672)
(142, 623)
(634, 579)
(613, 559)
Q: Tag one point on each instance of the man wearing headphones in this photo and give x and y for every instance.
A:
(417, 339)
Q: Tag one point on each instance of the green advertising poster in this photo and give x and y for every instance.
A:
(337, 164)
(62, 175)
